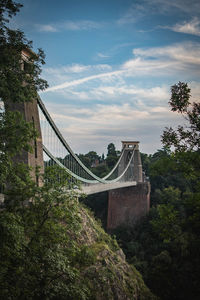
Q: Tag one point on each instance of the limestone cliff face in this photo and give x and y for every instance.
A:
(108, 274)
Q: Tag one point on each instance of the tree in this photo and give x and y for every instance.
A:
(146, 160)
(38, 258)
(164, 245)
(111, 150)
(16, 85)
(184, 138)
(89, 159)
(93, 157)
(12, 75)
(112, 157)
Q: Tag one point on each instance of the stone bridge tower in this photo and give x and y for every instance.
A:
(127, 205)
(135, 171)
(29, 111)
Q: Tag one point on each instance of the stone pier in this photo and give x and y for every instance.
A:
(127, 205)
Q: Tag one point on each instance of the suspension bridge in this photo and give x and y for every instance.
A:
(128, 192)
(126, 172)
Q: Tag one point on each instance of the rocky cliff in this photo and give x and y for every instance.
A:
(106, 271)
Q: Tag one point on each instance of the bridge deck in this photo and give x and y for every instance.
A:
(98, 188)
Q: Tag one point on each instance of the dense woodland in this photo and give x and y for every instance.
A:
(164, 246)
(52, 248)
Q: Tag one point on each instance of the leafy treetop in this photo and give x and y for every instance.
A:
(185, 138)
(12, 75)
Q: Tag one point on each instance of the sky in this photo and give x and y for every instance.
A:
(110, 65)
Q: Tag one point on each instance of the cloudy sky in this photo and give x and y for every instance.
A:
(110, 65)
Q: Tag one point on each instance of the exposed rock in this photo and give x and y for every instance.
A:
(109, 276)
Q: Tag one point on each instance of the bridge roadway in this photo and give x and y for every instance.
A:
(99, 187)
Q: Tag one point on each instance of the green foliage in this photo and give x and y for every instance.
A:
(180, 95)
(146, 161)
(15, 133)
(111, 161)
(89, 159)
(167, 169)
(112, 157)
(99, 165)
(164, 245)
(45, 250)
(15, 137)
(185, 138)
(167, 223)
(101, 170)
(8, 8)
(39, 258)
(98, 203)
(12, 75)
(111, 150)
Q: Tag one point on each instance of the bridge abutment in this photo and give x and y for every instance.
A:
(127, 205)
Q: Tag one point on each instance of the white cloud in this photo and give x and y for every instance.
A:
(142, 8)
(100, 115)
(159, 109)
(192, 27)
(141, 66)
(76, 68)
(70, 26)
(183, 56)
(154, 94)
(101, 55)
(195, 91)
(183, 53)
(133, 14)
(83, 80)
(55, 75)
(46, 28)
(81, 25)
(186, 6)
(101, 67)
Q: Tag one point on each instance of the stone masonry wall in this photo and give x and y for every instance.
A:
(128, 205)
